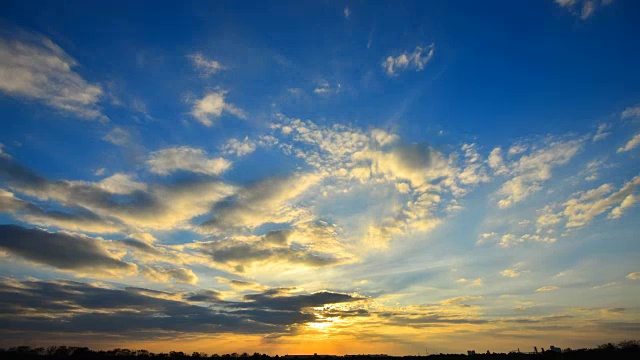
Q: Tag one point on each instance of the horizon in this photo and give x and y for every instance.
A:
(321, 176)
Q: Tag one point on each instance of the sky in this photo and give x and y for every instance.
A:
(319, 177)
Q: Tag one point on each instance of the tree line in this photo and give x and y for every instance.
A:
(621, 350)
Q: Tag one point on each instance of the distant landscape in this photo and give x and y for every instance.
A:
(627, 349)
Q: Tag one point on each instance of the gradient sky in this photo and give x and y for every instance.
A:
(329, 176)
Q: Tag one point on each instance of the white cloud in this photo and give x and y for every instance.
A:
(547, 288)
(347, 12)
(510, 273)
(267, 201)
(533, 169)
(548, 218)
(585, 206)
(211, 107)
(565, 3)
(118, 136)
(496, 162)
(581, 8)
(510, 240)
(517, 149)
(239, 148)
(602, 132)
(166, 274)
(207, 67)
(633, 276)
(167, 161)
(627, 203)
(631, 144)
(409, 61)
(631, 112)
(325, 88)
(121, 184)
(36, 68)
(587, 10)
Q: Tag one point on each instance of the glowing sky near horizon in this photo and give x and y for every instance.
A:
(329, 177)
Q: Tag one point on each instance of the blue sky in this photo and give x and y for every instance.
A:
(304, 175)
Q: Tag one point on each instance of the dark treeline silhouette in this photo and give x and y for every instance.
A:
(628, 349)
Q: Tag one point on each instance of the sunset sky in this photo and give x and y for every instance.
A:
(319, 176)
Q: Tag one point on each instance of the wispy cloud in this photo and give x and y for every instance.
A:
(633, 143)
(206, 66)
(118, 136)
(34, 67)
(583, 9)
(415, 60)
(547, 288)
(631, 112)
(185, 158)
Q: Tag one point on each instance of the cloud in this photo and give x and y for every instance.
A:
(510, 240)
(44, 307)
(547, 288)
(166, 274)
(239, 148)
(207, 67)
(119, 199)
(531, 170)
(277, 299)
(118, 136)
(426, 181)
(496, 161)
(169, 160)
(72, 307)
(581, 8)
(34, 67)
(460, 300)
(211, 107)
(242, 285)
(585, 206)
(238, 255)
(631, 112)
(631, 144)
(510, 273)
(35, 215)
(602, 132)
(347, 12)
(270, 200)
(210, 296)
(409, 61)
(633, 276)
(64, 251)
(325, 88)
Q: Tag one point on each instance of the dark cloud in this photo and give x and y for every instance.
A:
(141, 246)
(61, 250)
(13, 173)
(118, 198)
(238, 253)
(275, 299)
(68, 306)
(332, 313)
(204, 296)
(33, 214)
(277, 237)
